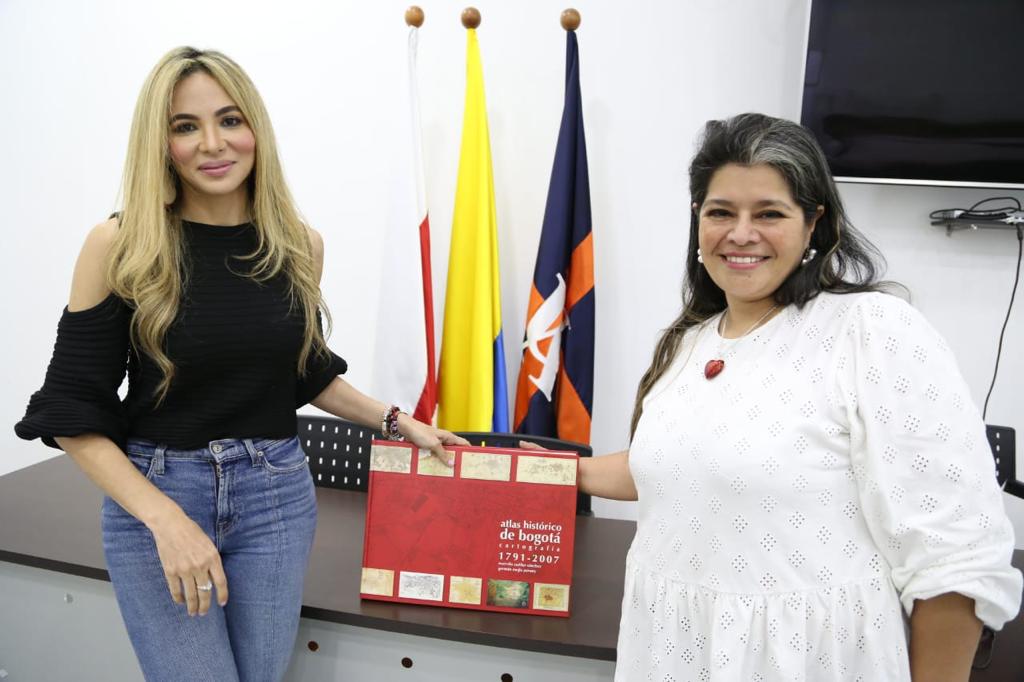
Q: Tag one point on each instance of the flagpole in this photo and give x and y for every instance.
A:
(570, 19)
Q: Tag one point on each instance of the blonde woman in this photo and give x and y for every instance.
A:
(206, 289)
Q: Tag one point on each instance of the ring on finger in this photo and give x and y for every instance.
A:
(205, 588)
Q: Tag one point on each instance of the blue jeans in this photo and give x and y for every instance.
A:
(255, 500)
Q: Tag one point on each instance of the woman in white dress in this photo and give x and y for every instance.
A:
(817, 499)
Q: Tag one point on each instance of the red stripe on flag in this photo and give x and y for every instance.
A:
(427, 404)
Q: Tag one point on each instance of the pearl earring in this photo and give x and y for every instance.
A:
(700, 256)
(809, 255)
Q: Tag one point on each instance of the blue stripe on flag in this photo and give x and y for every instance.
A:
(499, 419)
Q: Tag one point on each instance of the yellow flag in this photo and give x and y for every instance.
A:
(472, 381)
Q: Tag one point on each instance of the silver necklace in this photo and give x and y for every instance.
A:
(716, 365)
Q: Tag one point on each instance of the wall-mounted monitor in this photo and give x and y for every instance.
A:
(918, 91)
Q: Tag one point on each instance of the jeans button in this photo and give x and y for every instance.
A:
(217, 448)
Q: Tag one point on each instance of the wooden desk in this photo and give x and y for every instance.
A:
(49, 519)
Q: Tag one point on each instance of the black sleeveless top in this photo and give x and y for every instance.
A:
(235, 344)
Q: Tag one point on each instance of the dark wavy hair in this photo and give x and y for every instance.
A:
(847, 262)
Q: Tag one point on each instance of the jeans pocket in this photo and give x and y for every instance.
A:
(144, 463)
(283, 457)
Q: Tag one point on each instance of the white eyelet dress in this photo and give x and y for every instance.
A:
(836, 468)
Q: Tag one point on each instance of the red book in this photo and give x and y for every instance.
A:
(495, 532)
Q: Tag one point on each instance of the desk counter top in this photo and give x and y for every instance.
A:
(51, 520)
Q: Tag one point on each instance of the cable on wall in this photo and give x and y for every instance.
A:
(1013, 294)
(977, 213)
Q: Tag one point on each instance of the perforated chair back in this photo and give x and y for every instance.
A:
(338, 452)
(1002, 440)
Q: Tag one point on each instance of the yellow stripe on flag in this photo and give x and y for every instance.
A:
(472, 311)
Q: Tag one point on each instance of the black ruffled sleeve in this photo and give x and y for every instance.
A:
(320, 371)
(89, 361)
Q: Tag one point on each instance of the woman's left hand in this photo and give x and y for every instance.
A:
(427, 437)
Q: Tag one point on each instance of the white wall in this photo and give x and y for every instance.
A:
(332, 74)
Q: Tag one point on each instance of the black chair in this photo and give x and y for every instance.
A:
(338, 452)
(1002, 439)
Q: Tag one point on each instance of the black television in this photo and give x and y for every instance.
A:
(918, 91)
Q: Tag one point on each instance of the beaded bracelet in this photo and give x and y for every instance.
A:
(389, 423)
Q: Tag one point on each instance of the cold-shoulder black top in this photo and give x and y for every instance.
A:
(235, 344)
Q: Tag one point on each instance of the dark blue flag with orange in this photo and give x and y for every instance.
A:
(555, 391)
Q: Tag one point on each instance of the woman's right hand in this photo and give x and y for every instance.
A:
(606, 476)
(188, 556)
(190, 559)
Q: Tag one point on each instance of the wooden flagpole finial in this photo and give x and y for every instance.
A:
(570, 19)
(471, 17)
(414, 16)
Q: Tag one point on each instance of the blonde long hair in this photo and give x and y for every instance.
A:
(147, 261)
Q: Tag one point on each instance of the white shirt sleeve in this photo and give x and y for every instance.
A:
(922, 462)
